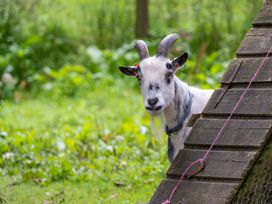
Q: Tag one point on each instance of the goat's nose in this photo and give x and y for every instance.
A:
(152, 101)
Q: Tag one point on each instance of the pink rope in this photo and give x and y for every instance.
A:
(204, 158)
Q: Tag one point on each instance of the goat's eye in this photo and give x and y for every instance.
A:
(169, 66)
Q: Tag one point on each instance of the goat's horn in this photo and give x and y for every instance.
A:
(142, 49)
(166, 44)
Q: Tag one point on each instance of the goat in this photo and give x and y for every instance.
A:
(165, 94)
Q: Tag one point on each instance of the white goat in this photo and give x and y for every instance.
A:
(165, 94)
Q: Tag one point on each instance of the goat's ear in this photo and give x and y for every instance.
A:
(129, 70)
(180, 61)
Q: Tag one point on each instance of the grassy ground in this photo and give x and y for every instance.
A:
(94, 147)
(95, 191)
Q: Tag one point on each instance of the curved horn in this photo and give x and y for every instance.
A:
(142, 49)
(166, 44)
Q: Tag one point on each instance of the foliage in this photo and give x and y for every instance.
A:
(33, 37)
(78, 140)
(206, 24)
(67, 81)
(95, 138)
(23, 53)
(68, 115)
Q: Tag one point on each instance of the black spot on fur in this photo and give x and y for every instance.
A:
(157, 86)
(176, 88)
(177, 107)
(150, 87)
(168, 77)
(168, 80)
(154, 86)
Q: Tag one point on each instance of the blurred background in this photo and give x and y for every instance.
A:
(72, 128)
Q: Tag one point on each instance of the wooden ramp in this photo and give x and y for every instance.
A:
(239, 168)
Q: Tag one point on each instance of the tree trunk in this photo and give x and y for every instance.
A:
(142, 21)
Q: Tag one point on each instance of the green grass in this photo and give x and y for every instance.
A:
(97, 147)
(95, 191)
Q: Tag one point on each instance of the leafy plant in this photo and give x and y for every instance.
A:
(68, 81)
(69, 139)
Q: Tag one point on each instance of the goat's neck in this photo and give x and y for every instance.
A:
(175, 110)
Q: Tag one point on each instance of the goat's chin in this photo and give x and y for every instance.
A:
(155, 112)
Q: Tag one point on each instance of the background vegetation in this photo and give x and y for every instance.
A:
(72, 129)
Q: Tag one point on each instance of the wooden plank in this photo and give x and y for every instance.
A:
(194, 192)
(257, 102)
(256, 42)
(246, 69)
(264, 18)
(229, 165)
(238, 133)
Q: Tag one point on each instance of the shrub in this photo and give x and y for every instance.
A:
(68, 80)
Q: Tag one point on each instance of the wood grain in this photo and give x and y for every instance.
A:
(256, 42)
(246, 69)
(238, 133)
(194, 192)
(257, 102)
(228, 165)
(264, 18)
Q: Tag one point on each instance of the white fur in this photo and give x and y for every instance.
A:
(153, 70)
(199, 100)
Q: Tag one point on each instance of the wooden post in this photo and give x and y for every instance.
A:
(142, 20)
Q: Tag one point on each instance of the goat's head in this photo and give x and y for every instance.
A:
(156, 74)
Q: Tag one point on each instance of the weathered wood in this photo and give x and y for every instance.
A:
(257, 42)
(193, 119)
(229, 165)
(264, 18)
(257, 102)
(194, 192)
(238, 133)
(246, 69)
(240, 145)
